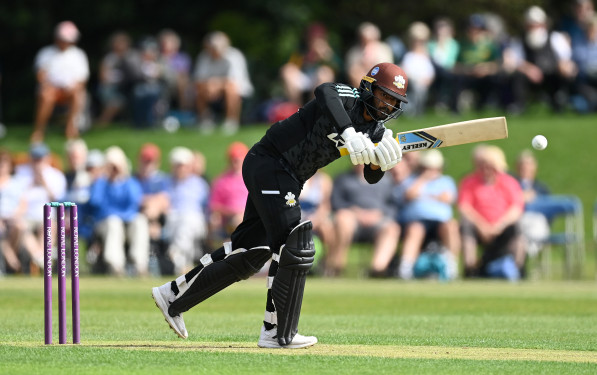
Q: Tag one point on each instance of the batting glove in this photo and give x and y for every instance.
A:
(388, 151)
(359, 146)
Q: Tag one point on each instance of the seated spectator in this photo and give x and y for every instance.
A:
(316, 206)
(149, 86)
(178, 69)
(368, 51)
(418, 67)
(77, 177)
(316, 64)
(221, 77)
(491, 204)
(545, 66)
(186, 223)
(363, 212)
(425, 200)
(574, 22)
(477, 65)
(94, 167)
(443, 50)
(155, 202)
(228, 196)
(41, 183)
(534, 222)
(12, 206)
(584, 53)
(114, 201)
(62, 70)
(116, 76)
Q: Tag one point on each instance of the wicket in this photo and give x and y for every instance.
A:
(74, 247)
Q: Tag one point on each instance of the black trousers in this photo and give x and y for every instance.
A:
(272, 208)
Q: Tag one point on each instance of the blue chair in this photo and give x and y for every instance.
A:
(571, 239)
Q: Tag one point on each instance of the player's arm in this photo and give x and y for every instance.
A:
(328, 97)
(373, 173)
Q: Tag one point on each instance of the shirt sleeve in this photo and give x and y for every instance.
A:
(329, 98)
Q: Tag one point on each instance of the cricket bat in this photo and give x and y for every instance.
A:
(458, 133)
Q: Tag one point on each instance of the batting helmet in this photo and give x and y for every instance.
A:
(388, 77)
(392, 80)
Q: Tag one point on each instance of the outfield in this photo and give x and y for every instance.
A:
(364, 327)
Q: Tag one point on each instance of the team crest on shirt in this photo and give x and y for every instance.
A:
(399, 81)
(290, 201)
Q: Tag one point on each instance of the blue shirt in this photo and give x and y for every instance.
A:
(190, 194)
(424, 207)
(156, 183)
(120, 198)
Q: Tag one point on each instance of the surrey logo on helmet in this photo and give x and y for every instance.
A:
(392, 80)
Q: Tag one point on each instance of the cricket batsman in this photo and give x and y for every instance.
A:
(274, 171)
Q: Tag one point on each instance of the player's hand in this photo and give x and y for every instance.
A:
(388, 151)
(359, 146)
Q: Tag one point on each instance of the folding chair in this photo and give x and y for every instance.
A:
(571, 239)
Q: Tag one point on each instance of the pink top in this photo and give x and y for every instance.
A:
(229, 193)
(491, 200)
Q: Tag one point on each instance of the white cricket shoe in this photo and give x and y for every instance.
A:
(268, 339)
(163, 297)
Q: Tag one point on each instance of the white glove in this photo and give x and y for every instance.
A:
(359, 146)
(388, 151)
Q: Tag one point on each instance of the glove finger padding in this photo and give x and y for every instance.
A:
(383, 156)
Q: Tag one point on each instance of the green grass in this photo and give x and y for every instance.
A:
(363, 326)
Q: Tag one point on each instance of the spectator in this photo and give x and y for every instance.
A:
(62, 70)
(186, 223)
(77, 177)
(418, 67)
(228, 196)
(443, 50)
(178, 69)
(116, 76)
(477, 65)
(115, 202)
(363, 212)
(94, 167)
(369, 50)
(534, 222)
(12, 206)
(425, 200)
(221, 76)
(42, 183)
(491, 203)
(316, 205)
(574, 24)
(545, 65)
(153, 181)
(318, 63)
(584, 53)
(149, 89)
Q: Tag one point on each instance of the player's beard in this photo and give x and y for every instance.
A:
(381, 111)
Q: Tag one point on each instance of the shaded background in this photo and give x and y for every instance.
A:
(267, 31)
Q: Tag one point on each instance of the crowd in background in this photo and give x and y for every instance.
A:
(148, 222)
(154, 81)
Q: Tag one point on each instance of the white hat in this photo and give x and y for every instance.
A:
(116, 157)
(181, 155)
(535, 15)
(431, 159)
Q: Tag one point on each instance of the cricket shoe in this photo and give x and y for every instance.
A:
(163, 297)
(269, 339)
